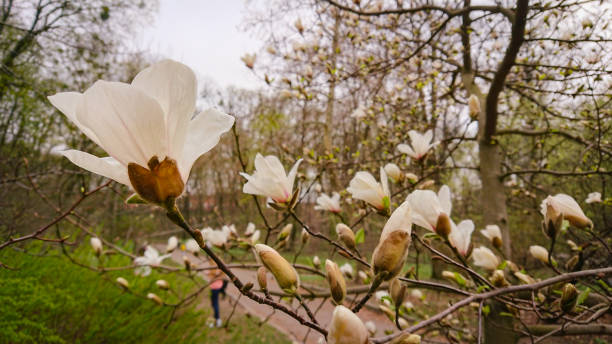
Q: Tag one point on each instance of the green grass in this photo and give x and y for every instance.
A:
(47, 299)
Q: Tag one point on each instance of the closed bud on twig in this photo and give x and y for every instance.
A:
(565, 207)
(524, 277)
(443, 225)
(493, 233)
(568, 298)
(96, 244)
(162, 284)
(539, 253)
(394, 172)
(283, 272)
(346, 235)
(407, 338)
(553, 221)
(187, 263)
(172, 244)
(305, 236)
(299, 26)
(346, 328)
(397, 289)
(285, 232)
(337, 284)
(573, 245)
(363, 276)
(262, 278)
(474, 104)
(498, 279)
(248, 286)
(155, 298)
(123, 282)
(390, 253)
(571, 263)
(371, 327)
(316, 262)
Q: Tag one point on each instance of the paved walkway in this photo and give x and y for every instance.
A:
(283, 322)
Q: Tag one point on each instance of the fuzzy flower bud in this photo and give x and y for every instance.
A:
(569, 297)
(285, 274)
(397, 289)
(262, 279)
(498, 279)
(155, 298)
(96, 244)
(394, 172)
(172, 244)
(539, 253)
(316, 262)
(392, 249)
(346, 235)
(493, 233)
(123, 282)
(305, 236)
(162, 284)
(337, 284)
(346, 328)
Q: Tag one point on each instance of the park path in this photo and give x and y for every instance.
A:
(279, 320)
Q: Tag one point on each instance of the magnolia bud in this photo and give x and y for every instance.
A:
(498, 279)
(316, 262)
(305, 236)
(346, 235)
(474, 105)
(285, 274)
(412, 177)
(123, 282)
(172, 244)
(524, 277)
(187, 263)
(407, 338)
(394, 172)
(571, 263)
(337, 284)
(159, 183)
(155, 298)
(539, 252)
(397, 289)
(163, 284)
(568, 298)
(443, 225)
(248, 286)
(285, 232)
(417, 294)
(371, 327)
(346, 328)
(262, 279)
(96, 244)
(552, 222)
(363, 276)
(390, 253)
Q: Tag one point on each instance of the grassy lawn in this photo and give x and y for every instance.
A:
(47, 299)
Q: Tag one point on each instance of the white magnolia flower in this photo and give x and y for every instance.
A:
(539, 253)
(394, 172)
(419, 144)
(255, 237)
(416, 293)
(524, 277)
(325, 202)
(408, 305)
(346, 328)
(427, 207)
(250, 229)
(594, 197)
(347, 270)
(146, 128)
(567, 207)
(216, 237)
(192, 246)
(364, 187)
(360, 112)
(493, 233)
(249, 60)
(151, 258)
(380, 294)
(460, 236)
(485, 258)
(316, 261)
(270, 180)
(96, 245)
(172, 244)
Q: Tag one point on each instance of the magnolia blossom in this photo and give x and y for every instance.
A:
(325, 202)
(460, 236)
(146, 128)
(565, 206)
(316, 261)
(249, 60)
(151, 257)
(524, 277)
(155, 298)
(416, 293)
(364, 187)
(172, 244)
(216, 237)
(192, 246)
(270, 179)
(539, 253)
(346, 328)
(485, 258)
(250, 229)
(347, 270)
(493, 233)
(122, 282)
(162, 284)
(390, 253)
(360, 112)
(255, 237)
(427, 208)
(394, 172)
(420, 144)
(96, 245)
(594, 197)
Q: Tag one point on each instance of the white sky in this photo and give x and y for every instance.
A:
(204, 35)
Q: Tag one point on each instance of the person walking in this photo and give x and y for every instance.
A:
(217, 286)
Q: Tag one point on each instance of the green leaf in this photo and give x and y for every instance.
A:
(359, 236)
(583, 296)
(460, 280)
(135, 199)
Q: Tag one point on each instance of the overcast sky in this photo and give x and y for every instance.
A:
(204, 35)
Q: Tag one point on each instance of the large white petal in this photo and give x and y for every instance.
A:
(406, 149)
(174, 86)
(67, 103)
(129, 123)
(292, 174)
(444, 196)
(107, 167)
(204, 133)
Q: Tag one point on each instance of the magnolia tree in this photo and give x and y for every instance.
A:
(152, 140)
